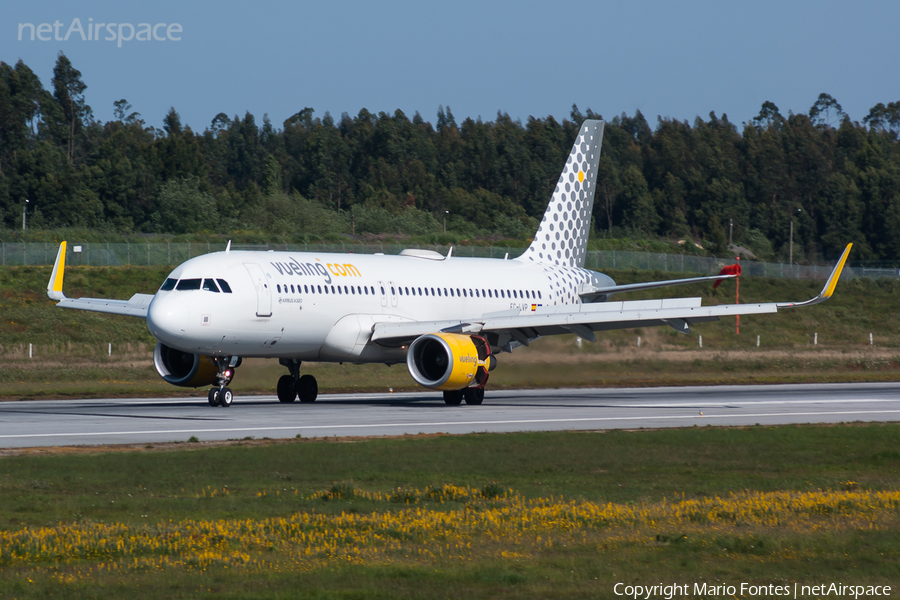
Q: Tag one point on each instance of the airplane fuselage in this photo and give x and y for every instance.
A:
(322, 307)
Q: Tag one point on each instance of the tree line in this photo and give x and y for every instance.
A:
(837, 179)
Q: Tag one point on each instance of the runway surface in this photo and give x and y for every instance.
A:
(149, 420)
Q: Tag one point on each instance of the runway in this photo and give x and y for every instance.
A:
(156, 420)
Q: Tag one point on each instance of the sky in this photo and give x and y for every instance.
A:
(671, 59)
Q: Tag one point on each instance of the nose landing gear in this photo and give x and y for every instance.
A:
(223, 396)
(293, 386)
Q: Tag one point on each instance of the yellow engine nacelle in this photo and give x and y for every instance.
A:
(183, 368)
(448, 361)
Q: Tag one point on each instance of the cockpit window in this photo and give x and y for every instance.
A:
(210, 285)
(188, 284)
(224, 285)
(168, 285)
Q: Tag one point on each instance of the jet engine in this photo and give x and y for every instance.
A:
(449, 361)
(183, 368)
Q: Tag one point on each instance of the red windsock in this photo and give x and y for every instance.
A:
(728, 270)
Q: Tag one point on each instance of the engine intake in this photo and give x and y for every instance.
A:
(183, 368)
(449, 361)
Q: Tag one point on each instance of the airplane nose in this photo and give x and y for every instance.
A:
(167, 319)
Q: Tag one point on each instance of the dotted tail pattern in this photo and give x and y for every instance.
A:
(563, 235)
(560, 244)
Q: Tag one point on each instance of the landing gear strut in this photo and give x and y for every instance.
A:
(223, 396)
(292, 386)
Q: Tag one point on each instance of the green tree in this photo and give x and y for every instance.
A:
(181, 207)
(639, 213)
(68, 90)
(826, 111)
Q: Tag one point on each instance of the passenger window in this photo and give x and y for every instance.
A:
(210, 285)
(168, 285)
(224, 285)
(188, 284)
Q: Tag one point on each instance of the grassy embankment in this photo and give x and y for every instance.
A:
(70, 347)
(485, 516)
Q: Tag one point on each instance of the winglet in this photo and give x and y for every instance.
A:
(54, 286)
(835, 274)
(828, 289)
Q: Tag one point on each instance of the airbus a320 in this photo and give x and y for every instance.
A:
(446, 317)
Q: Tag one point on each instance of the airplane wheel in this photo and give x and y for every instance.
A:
(307, 388)
(225, 397)
(285, 389)
(474, 395)
(213, 397)
(453, 397)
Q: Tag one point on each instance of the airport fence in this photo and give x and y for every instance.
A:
(170, 254)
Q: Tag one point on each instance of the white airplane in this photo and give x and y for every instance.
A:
(447, 317)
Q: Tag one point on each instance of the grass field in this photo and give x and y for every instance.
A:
(519, 515)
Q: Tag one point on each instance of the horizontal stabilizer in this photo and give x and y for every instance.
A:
(591, 293)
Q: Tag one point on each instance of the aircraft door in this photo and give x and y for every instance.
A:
(263, 291)
(393, 289)
(383, 294)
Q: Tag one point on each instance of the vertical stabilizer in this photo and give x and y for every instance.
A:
(562, 236)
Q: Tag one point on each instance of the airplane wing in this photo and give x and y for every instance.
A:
(135, 307)
(584, 319)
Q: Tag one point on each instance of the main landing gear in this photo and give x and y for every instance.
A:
(222, 395)
(293, 386)
(472, 396)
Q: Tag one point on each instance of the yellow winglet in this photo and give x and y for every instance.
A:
(826, 292)
(836, 274)
(55, 285)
